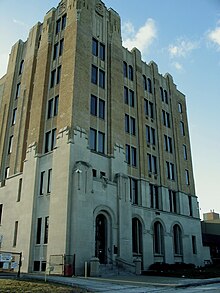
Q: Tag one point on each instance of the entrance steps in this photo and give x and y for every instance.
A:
(110, 270)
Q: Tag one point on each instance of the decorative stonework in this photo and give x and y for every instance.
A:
(99, 9)
(62, 7)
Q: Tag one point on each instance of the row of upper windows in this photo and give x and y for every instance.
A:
(98, 49)
(61, 23)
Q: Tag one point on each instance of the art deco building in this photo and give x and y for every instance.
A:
(95, 153)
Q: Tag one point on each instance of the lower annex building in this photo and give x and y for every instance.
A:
(95, 153)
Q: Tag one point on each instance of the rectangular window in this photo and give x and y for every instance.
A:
(56, 103)
(42, 179)
(134, 191)
(101, 109)
(92, 139)
(1, 210)
(19, 189)
(154, 197)
(184, 152)
(52, 78)
(18, 90)
(131, 73)
(126, 95)
(101, 78)
(58, 25)
(36, 266)
(101, 142)
(166, 119)
(63, 22)
(47, 141)
(150, 135)
(187, 176)
(58, 74)
(15, 234)
(128, 153)
(190, 205)
(131, 98)
(180, 109)
(46, 228)
(194, 248)
(10, 144)
(61, 47)
(152, 163)
(94, 77)
(95, 47)
(14, 116)
(125, 69)
(132, 126)
(53, 139)
(127, 125)
(170, 170)
(168, 144)
(21, 67)
(102, 52)
(174, 203)
(93, 105)
(7, 172)
(39, 226)
(182, 128)
(133, 156)
(49, 176)
(50, 109)
(149, 108)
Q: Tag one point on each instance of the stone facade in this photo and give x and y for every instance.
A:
(94, 153)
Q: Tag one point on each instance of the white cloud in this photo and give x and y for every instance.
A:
(21, 23)
(142, 39)
(214, 36)
(178, 66)
(182, 48)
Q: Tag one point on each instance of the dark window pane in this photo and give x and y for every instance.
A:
(92, 139)
(101, 142)
(58, 26)
(94, 47)
(125, 69)
(56, 102)
(101, 78)
(63, 22)
(94, 77)
(93, 105)
(101, 109)
(50, 109)
(58, 74)
(61, 47)
(102, 52)
(55, 51)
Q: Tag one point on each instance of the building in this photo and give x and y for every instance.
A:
(95, 150)
(211, 234)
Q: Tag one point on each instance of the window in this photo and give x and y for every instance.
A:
(63, 22)
(58, 74)
(36, 266)
(55, 51)
(93, 105)
(21, 67)
(18, 90)
(38, 236)
(187, 176)
(52, 108)
(150, 135)
(130, 73)
(102, 51)
(94, 74)
(148, 108)
(94, 172)
(149, 85)
(136, 236)
(158, 238)
(126, 95)
(168, 144)
(194, 248)
(177, 240)
(131, 155)
(101, 109)
(52, 78)
(46, 228)
(95, 47)
(50, 140)
(49, 176)
(145, 82)
(161, 94)
(58, 25)
(182, 128)
(19, 189)
(93, 137)
(131, 98)
(15, 234)
(14, 116)
(1, 210)
(7, 172)
(133, 191)
(155, 202)
(129, 124)
(174, 202)
(170, 171)
(166, 119)
(42, 179)
(166, 96)
(55, 108)
(184, 152)
(10, 144)
(61, 47)
(180, 108)
(152, 163)
(125, 69)
(101, 78)
(190, 205)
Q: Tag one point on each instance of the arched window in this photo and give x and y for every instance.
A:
(177, 240)
(161, 94)
(158, 238)
(136, 236)
(145, 82)
(130, 73)
(149, 85)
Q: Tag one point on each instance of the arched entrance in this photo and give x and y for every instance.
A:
(101, 238)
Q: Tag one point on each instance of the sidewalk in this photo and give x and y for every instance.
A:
(125, 283)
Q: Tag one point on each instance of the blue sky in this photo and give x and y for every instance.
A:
(183, 38)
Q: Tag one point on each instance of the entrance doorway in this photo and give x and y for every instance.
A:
(101, 238)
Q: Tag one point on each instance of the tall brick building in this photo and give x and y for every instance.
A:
(94, 148)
